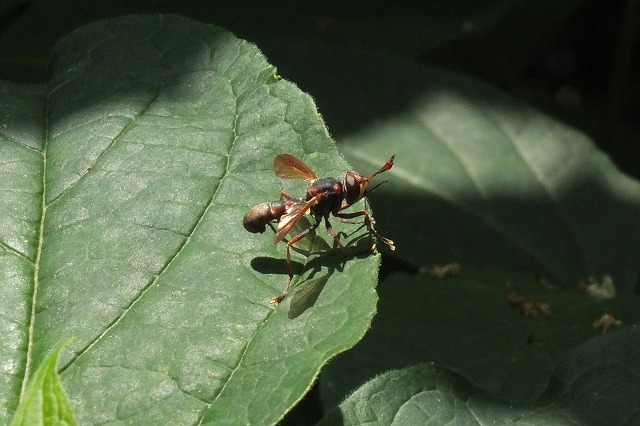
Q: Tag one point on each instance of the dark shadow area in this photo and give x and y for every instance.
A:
(271, 266)
(352, 93)
(306, 412)
(294, 61)
(304, 292)
(528, 240)
(534, 54)
(519, 232)
(10, 14)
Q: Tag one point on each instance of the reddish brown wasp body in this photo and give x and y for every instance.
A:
(325, 197)
(259, 216)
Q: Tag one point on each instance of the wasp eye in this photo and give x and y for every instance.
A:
(354, 187)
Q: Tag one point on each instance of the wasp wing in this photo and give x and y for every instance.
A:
(288, 166)
(289, 219)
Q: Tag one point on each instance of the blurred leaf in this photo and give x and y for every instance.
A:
(426, 394)
(601, 381)
(501, 51)
(124, 184)
(44, 401)
(10, 7)
(479, 177)
(399, 28)
(483, 180)
(468, 324)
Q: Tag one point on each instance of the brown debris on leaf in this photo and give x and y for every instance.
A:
(606, 321)
(529, 307)
(441, 271)
(599, 290)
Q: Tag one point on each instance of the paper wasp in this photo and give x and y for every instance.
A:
(324, 197)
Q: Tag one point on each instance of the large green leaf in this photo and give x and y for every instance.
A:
(484, 180)
(22, 109)
(400, 28)
(124, 184)
(601, 380)
(425, 394)
(469, 324)
(480, 177)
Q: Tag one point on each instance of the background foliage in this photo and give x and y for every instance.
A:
(526, 205)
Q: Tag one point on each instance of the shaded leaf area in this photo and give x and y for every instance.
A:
(470, 324)
(402, 28)
(426, 394)
(483, 180)
(160, 134)
(10, 8)
(601, 380)
(480, 177)
(44, 401)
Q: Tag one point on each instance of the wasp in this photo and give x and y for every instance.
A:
(324, 197)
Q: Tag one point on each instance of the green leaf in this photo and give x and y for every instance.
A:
(125, 183)
(486, 181)
(468, 324)
(21, 131)
(425, 394)
(600, 382)
(480, 177)
(44, 401)
(398, 28)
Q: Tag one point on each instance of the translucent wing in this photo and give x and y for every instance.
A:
(288, 166)
(288, 220)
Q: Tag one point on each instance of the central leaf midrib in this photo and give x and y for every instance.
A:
(36, 263)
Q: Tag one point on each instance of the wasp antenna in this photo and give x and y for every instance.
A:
(384, 181)
(387, 166)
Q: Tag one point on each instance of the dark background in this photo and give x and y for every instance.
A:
(577, 60)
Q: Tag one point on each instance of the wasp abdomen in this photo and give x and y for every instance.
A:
(258, 216)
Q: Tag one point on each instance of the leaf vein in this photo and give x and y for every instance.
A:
(116, 139)
(36, 266)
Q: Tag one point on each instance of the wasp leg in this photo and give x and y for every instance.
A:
(293, 240)
(285, 196)
(366, 209)
(333, 233)
(369, 224)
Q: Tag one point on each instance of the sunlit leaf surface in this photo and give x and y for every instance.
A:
(123, 187)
